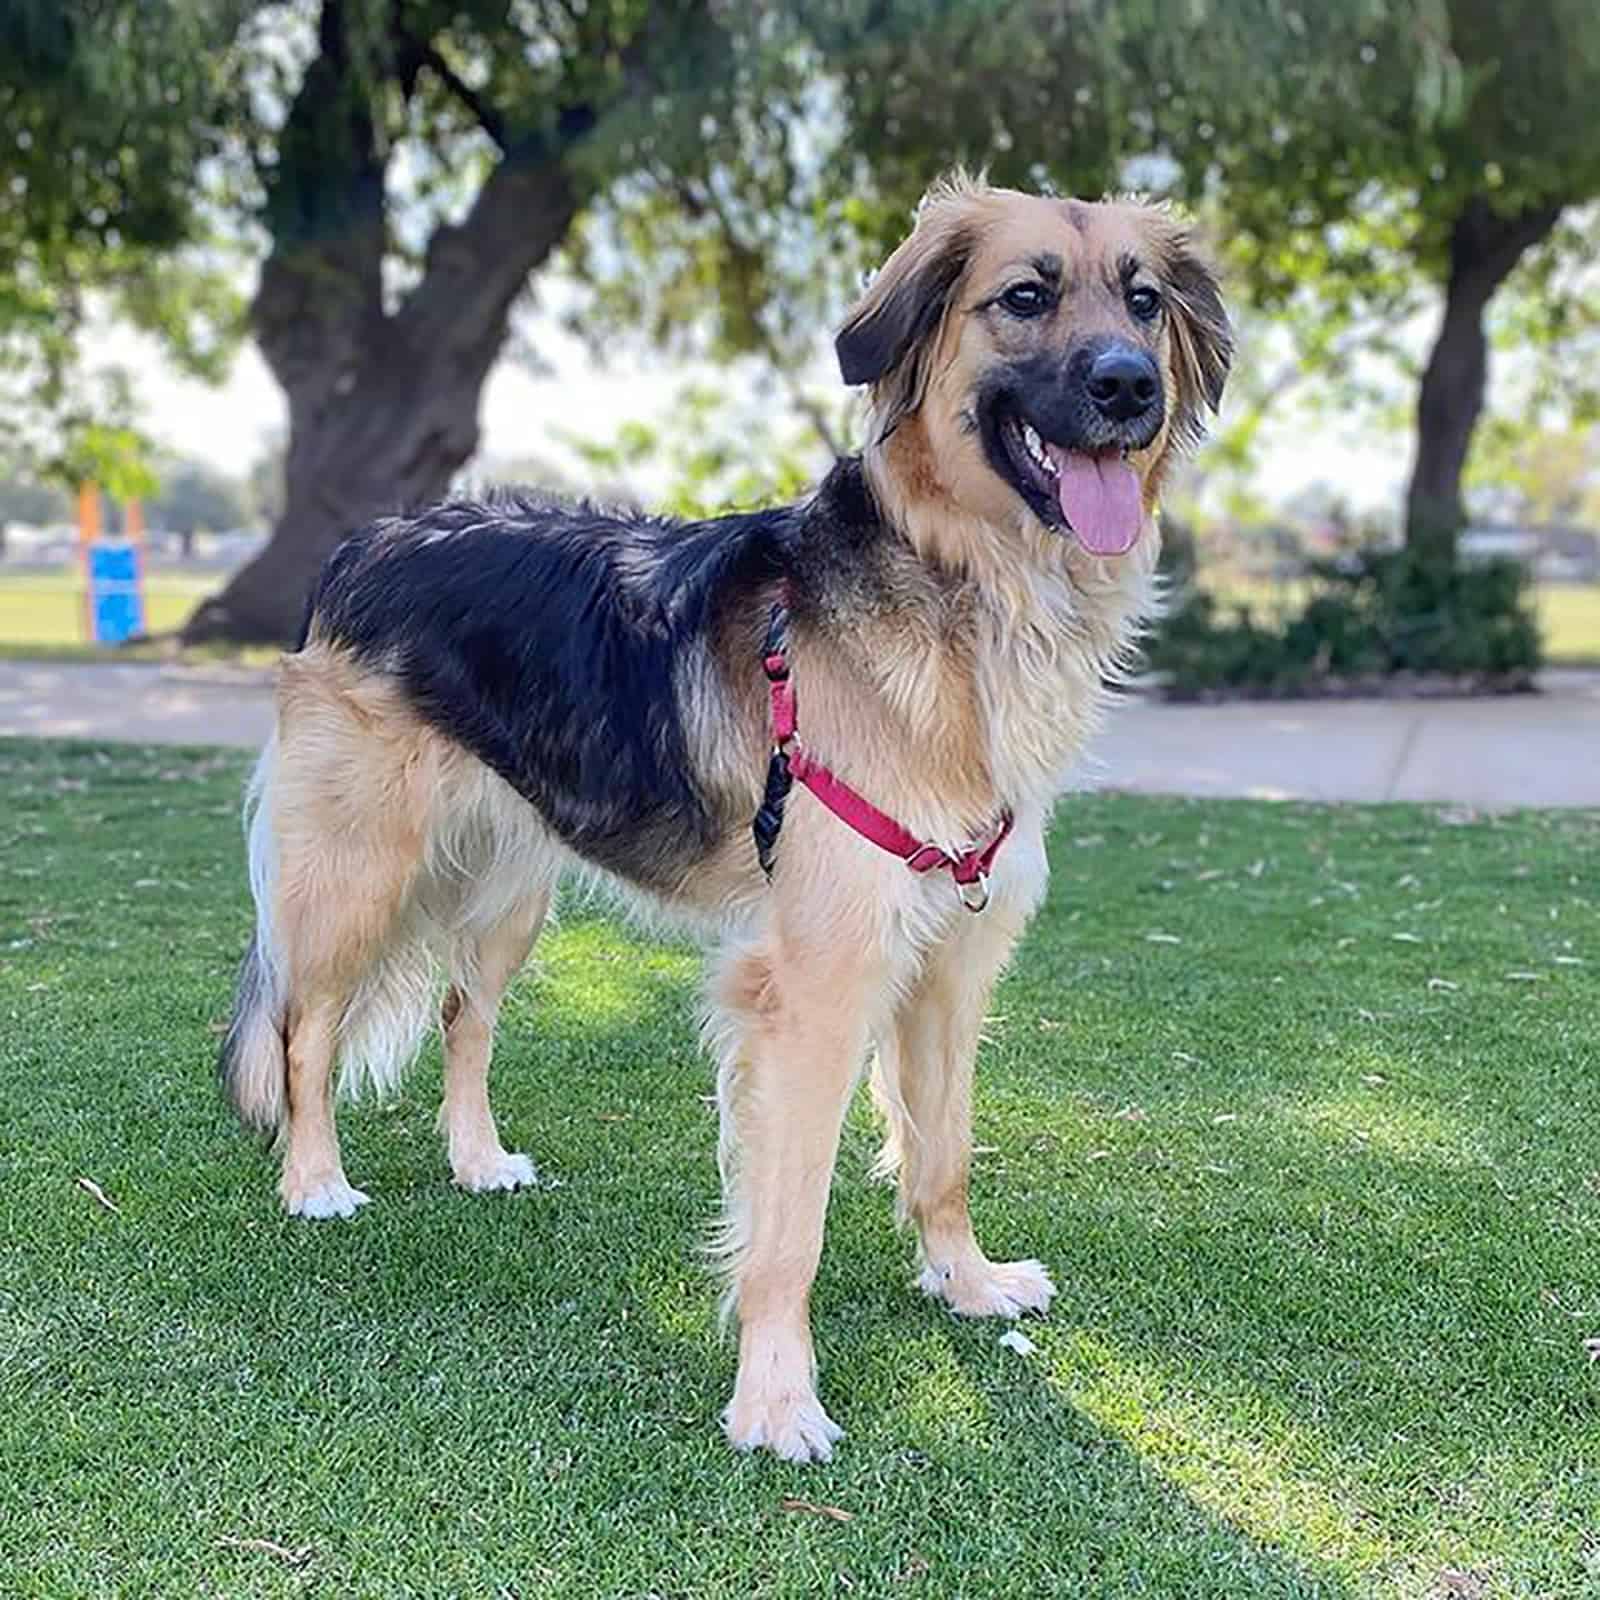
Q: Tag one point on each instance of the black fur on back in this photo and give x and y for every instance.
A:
(543, 637)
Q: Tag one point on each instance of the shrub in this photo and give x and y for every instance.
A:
(1375, 616)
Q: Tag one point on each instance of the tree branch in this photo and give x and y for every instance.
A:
(483, 113)
(705, 202)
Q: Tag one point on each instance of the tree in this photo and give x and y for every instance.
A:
(102, 106)
(195, 497)
(1355, 157)
(1379, 148)
(408, 163)
(431, 155)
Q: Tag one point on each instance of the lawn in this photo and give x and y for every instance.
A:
(1299, 1104)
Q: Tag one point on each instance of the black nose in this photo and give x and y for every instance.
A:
(1123, 384)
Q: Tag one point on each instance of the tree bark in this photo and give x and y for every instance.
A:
(1484, 248)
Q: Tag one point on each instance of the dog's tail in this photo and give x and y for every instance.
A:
(253, 1062)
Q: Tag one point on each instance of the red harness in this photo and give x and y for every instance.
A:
(970, 869)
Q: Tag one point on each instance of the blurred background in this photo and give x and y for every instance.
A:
(267, 270)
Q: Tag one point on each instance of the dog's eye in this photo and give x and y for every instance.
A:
(1025, 299)
(1144, 303)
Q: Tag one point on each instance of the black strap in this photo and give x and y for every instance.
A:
(768, 822)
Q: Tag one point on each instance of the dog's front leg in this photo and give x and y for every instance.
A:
(796, 1023)
(923, 1085)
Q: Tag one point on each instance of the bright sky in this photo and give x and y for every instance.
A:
(230, 426)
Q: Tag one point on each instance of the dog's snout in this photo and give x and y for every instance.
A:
(1123, 384)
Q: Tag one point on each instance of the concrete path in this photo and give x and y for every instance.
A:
(1526, 750)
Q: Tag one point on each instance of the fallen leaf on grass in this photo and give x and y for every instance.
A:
(915, 1566)
(1456, 1584)
(1256, 868)
(1406, 938)
(1374, 1080)
(1162, 938)
(832, 1513)
(1226, 1116)
(269, 1547)
(1591, 1348)
(1568, 961)
(1098, 1155)
(1524, 977)
(95, 1192)
(1442, 983)
(1016, 1339)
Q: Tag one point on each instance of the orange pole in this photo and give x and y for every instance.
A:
(88, 532)
(88, 512)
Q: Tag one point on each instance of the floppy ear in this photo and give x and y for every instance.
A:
(888, 336)
(1202, 337)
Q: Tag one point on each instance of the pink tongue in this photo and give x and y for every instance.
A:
(1100, 499)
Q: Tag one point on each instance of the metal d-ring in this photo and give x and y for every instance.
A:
(975, 894)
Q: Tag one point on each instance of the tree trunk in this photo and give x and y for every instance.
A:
(383, 404)
(382, 410)
(1484, 248)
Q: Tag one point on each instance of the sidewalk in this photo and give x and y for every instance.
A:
(1525, 750)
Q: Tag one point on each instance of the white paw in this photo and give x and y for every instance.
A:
(499, 1171)
(790, 1423)
(331, 1197)
(989, 1288)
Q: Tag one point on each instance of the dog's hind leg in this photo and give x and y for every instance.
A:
(342, 815)
(923, 1085)
(313, 1183)
(485, 963)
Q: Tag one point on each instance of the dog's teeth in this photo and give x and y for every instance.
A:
(1030, 437)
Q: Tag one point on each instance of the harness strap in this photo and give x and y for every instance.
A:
(791, 760)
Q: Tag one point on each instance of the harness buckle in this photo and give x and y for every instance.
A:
(974, 894)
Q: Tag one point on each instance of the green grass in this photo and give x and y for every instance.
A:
(41, 613)
(1569, 617)
(1317, 1172)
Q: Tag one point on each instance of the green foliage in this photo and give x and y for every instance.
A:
(1375, 616)
(708, 456)
(111, 111)
(115, 458)
(195, 497)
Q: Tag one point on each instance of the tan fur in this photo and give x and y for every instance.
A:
(394, 853)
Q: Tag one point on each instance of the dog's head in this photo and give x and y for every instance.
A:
(1039, 358)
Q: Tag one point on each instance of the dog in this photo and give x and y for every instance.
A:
(830, 733)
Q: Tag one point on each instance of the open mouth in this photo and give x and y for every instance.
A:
(1094, 495)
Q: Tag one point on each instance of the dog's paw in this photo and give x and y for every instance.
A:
(789, 1422)
(981, 1288)
(501, 1170)
(322, 1198)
